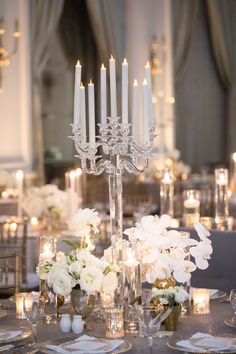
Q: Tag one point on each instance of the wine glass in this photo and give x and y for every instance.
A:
(34, 310)
(232, 299)
(151, 321)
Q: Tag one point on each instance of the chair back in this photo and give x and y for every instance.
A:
(9, 273)
(13, 239)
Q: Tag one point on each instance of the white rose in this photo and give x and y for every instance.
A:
(110, 282)
(60, 280)
(91, 279)
(75, 269)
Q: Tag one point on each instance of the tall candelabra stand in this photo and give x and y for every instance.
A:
(115, 151)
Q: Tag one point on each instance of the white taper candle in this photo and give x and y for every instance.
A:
(149, 82)
(103, 94)
(112, 68)
(91, 112)
(82, 111)
(146, 110)
(125, 92)
(135, 110)
(77, 93)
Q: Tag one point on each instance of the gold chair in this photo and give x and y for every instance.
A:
(9, 274)
(13, 239)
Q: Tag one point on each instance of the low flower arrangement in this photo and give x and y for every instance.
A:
(47, 201)
(172, 296)
(79, 268)
(169, 253)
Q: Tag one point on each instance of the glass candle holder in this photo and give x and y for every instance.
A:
(191, 204)
(114, 318)
(206, 221)
(47, 247)
(20, 299)
(132, 276)
(201, 301)
(167, 194)
(221, 197)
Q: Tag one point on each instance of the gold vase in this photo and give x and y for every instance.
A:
(171, 322)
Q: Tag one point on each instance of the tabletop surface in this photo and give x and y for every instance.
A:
(212, 323)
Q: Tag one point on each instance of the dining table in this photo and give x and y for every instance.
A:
(212, 323)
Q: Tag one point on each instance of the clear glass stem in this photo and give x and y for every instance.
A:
(150, 343)
(34, 332)
(116, 207)
(167, 199)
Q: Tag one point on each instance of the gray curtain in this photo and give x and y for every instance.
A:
(200, 95)
(45, 15)
(108, 21)
(185, 16)
(222, 21)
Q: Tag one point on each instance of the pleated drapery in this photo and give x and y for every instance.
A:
(45, 15)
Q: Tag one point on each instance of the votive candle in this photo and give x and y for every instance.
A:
(201, 301)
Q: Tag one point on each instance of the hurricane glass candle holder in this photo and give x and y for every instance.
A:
(191, 207)
(221, 197)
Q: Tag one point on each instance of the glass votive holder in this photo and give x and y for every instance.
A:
(114, 318)
(201, 301)
(206, 221)
(22, 299)
(191, 207)
(47, 247)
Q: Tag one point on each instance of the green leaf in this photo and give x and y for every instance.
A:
(73, 244)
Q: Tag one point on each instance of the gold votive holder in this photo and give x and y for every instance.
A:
(23, 301)
(206, 221)
(107, 299)
(201, 301)
(114, 318)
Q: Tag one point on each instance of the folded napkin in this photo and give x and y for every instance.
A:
(204, 341)
(5, 335)
(86, 345)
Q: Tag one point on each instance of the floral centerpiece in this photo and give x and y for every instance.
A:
(166, 253)
(48, 203)
(79, 268)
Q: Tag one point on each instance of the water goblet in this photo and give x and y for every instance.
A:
(232, 299)
(34, 311)
(151, 321)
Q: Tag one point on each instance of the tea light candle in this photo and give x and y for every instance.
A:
(23, 300)
(114, 322)
(34, 223)
(5, 195)
(201, 301)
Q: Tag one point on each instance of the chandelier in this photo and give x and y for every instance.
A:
(5, 55)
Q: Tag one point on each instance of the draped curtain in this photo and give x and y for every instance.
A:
(222, 21)
(204, 76)
(44, 19)
(108, 20)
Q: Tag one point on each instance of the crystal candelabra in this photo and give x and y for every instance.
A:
(115, 151)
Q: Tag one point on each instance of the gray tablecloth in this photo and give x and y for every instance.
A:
(212, 324)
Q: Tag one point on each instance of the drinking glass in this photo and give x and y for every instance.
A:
(151, 321)
(232, 298)
(34, 314)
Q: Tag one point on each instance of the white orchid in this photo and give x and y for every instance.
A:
(165, 252)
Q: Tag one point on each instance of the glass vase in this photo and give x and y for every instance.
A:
(82, 302)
